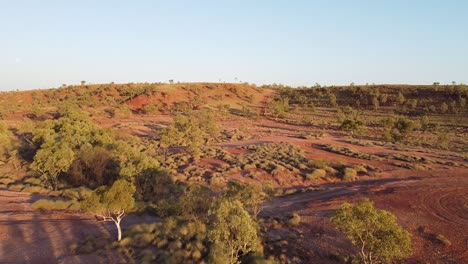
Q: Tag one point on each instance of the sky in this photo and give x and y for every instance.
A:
(45, 43)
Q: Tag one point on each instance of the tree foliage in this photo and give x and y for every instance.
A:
(51, 160)
(251, 196)
(89, 155)
(191, 130)
(6, 144)
(279, 106)
(398, 129)
(111, 204)
(375, 232)
(233, 232)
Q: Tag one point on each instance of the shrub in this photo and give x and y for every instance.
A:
(278, 171)
(330, 170)
(294, 220)
(151, 108)
(78, 194)
(35, 189)
(354, 126)
(317, 174)
(398, 129)
(16, 187)
(360, 168)
(45, 204)
(6, 181)
(33, 181)
(249, 166)
(349, 174)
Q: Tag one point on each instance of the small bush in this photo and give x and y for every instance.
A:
(278, 171)
(33, 181)
(317, 174)
(78, 194)
(35, 189)
(44, 204)
(6, 181)
(294, 220)
(349, 174)
(16, 187)
(360, 168)
(249, 166)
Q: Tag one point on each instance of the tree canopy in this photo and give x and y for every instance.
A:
(233, 232)
(375, 232)
(111, 204)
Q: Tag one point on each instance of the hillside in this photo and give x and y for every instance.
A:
(290, 156)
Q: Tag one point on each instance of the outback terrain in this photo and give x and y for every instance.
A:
(303, 151)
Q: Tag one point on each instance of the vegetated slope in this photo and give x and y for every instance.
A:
(156, 97)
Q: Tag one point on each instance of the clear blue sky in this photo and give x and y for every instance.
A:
(46, 43)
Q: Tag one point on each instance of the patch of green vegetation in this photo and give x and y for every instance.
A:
(46, 204)
(375, 233)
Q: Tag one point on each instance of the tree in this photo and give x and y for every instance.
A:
(191, 130)
(83, 83)
(111, 204)
(398, 129)
(233, 232)
(52, 159)
(251, 196)
(355, 126)
(7, 143)
(279, 107)
(375, 232)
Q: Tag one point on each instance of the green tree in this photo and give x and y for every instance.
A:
(192, 131)
(251, 196)
(355, 126)
(279, 106)
(52, 159)
(111, 204)
(233, 232)
(6, 142)
(375, 232)
(398, 129)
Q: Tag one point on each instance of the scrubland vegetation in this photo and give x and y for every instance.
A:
(72, 147)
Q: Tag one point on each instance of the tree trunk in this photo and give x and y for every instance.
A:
(119, 230)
